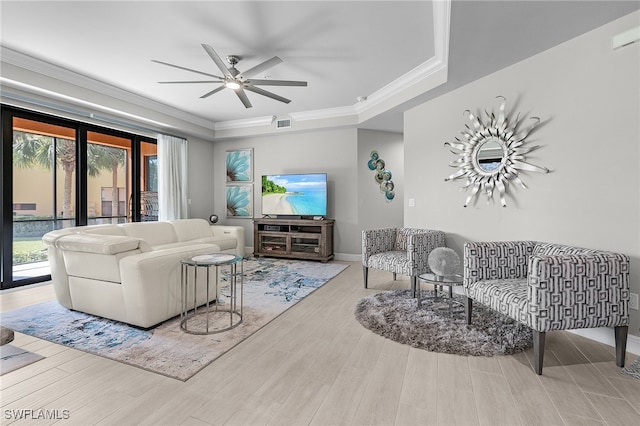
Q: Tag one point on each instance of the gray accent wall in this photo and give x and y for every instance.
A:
(373, 210)
(587, 95)
(355, 202)
(201, 177)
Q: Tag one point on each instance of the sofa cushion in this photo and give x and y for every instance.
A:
(551, 249)
(191, 229)
(223, 243)
(507, 296)
(401, 240)
(154, 233)
(402, 237)
(391, 261)
(101, 244)
(101, 230)
(185, 244)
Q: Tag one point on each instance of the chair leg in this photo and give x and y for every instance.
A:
(538, 350)
(365, 272)
(394, 276)
(621, 344)
(414, 286)
(468, 308)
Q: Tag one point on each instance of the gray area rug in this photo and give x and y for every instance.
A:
(633, 369)
(396, 316)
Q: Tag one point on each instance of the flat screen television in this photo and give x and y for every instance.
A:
(303, 194)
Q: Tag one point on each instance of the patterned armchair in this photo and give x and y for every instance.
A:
(400, 251)
(550, 287)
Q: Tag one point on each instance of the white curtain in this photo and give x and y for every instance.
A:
(172, 178)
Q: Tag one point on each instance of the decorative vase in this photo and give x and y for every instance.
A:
(444, 261)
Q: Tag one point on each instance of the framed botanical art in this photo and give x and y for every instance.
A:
(240, 165)
(240, 201)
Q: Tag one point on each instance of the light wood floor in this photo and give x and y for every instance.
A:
(315, 364)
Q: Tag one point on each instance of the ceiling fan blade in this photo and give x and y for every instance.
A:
(216, 90)
(257, 82)
(187, 69)
(260, 67)
(267, 94)
(243, 97)
(218, 61)
(190, 81)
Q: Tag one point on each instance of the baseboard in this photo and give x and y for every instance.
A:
(337, 256)
(605, 335)
(348, 257)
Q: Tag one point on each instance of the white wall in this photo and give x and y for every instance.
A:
(587, 96)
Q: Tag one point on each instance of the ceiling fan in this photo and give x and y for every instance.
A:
(236, 80)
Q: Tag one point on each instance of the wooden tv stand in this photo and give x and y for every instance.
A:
(293, 238)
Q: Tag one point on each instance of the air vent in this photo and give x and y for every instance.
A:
(626, 38)
(283, 123)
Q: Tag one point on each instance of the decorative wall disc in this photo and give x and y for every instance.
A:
(381, 175)
(491, 153)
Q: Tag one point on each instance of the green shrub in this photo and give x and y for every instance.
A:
(20, 258)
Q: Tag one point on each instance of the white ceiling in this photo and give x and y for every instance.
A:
(342, 49)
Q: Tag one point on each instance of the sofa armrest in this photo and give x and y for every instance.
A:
(578, 291)
(419, 246)
(227, 231)
(496, 260)
(151, 282)
(377, 241)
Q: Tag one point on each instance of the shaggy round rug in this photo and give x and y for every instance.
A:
(396, 316)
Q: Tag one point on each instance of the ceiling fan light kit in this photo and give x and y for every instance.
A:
(235, 80)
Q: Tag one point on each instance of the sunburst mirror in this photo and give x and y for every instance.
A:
(492, 152)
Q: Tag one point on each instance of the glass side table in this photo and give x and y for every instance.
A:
(203, 318)
(442, 281)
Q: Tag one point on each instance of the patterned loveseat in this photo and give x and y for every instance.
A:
(403, 251)
(550, 287)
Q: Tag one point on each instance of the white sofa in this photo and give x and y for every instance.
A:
(131, 272)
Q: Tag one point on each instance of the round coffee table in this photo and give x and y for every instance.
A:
(205, 319)
(442, 281)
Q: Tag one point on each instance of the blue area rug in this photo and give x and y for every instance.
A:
(271, 286)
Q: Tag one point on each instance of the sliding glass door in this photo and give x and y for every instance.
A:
(108, 178)
(58, 174)
(44, 163)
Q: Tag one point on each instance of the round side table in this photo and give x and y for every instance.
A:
(203, 318)
(441, 281)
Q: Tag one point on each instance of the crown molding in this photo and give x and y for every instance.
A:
(27, 62)
(323, 114)
(386, 97)
(239, 124)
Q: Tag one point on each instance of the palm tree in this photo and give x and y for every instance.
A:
(101, 157)
(32, 150)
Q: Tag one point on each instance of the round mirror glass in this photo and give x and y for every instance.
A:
(489, 155)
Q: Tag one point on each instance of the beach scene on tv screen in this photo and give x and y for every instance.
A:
(294, 195)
